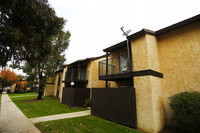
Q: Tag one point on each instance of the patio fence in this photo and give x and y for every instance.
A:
(76, 96)
(115, 104)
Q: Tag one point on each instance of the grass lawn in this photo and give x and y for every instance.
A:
(21, 94)
(86, 124)
(36, 108)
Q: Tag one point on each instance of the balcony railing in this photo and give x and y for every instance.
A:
(116, 65)
(74, 74)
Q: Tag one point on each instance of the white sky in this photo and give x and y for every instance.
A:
(95, 24)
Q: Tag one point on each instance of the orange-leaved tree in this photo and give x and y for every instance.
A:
(7, 78)
(22, 85)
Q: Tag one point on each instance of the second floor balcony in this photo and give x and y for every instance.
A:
(77, 75)
(115, 68)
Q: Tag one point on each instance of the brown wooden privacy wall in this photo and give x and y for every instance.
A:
(115, 104)
(77, 96)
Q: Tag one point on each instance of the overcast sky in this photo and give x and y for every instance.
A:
(95, 24)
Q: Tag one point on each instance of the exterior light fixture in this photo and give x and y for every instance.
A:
(72, 83)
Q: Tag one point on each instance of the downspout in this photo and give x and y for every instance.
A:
(106, 68)
(78, 72)
(128, 50)
(129, 58)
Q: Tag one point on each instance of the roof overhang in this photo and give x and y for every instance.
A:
(85, 60)
(58, 71)
(116, 46)
(178, 25)
(124, 43)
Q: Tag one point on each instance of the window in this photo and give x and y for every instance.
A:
(68, 74)
(123, 65)
(83, 73)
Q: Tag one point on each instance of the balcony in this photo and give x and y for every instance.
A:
(76, 75)
(118, 68)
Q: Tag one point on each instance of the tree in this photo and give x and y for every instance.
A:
(7, 78)
(26, 29)
(44, 68)
(30, 32)
(22, 85)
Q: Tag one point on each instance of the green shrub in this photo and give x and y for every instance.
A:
(8, 91)
(87, 103)
(19, 91)
(186, 107)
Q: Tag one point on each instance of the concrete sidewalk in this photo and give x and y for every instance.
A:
(60, 116)
(23, 96)
(12, 120)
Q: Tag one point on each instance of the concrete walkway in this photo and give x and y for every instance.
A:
(12, 120)
(60, 116)
(23, 96)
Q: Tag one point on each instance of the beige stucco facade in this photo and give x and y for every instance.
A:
(49, 87)
(13, 88)
(179, 53)
(52, 84)
(49, 90)
(150, 117)
(61, 84)
(93, 75)
(174, 52)
(56, 84)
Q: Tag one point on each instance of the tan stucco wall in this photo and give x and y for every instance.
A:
(118, 84)
(49, 90)
(13, 88)
(89, 74)
(148, 88)
(118, 52)
(56, 83)
(62, 84)
(60, 88)
(176, 55)
(179, 56)
(148, 107)
(93, 75)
